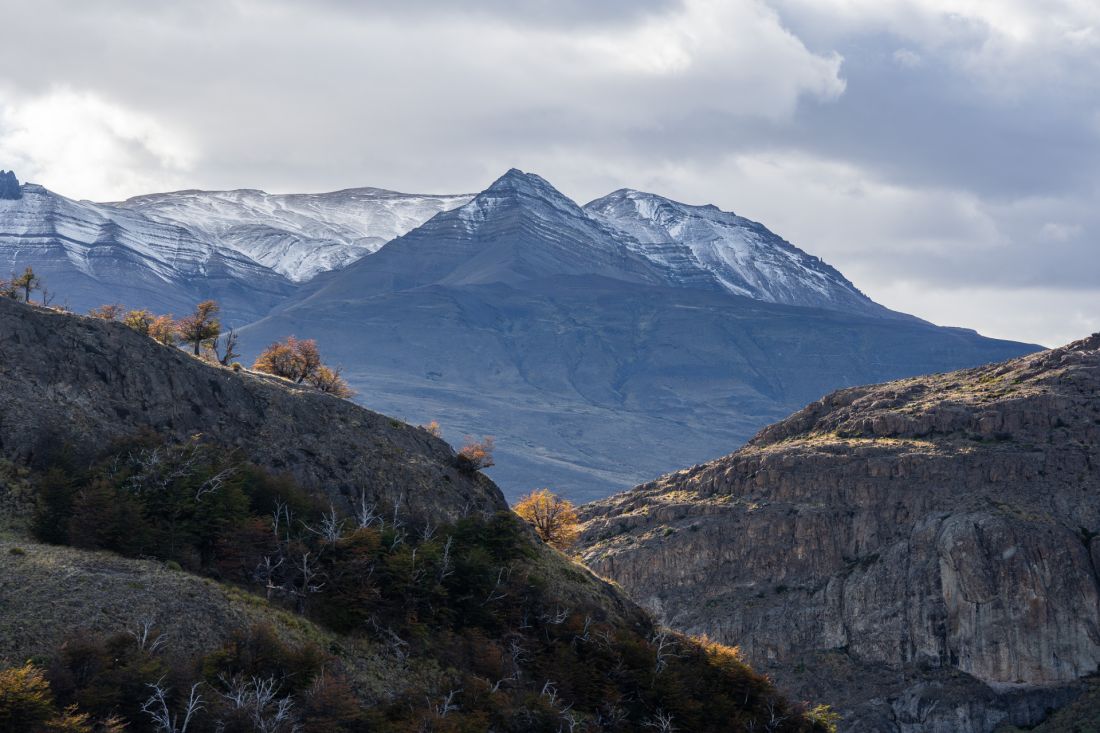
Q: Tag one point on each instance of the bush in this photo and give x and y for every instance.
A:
(139, 320)
(108, 312)
(476, 455)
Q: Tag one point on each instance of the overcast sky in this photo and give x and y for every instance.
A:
(943, 154)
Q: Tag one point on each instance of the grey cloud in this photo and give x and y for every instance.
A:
(553, 13)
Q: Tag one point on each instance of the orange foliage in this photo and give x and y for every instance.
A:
(554, 519)
(108, 312)
(163, 330)
(476, 455)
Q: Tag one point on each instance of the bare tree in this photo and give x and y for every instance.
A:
(516, 656)
(258, 699)
(265, 573)
(308, 573)
(661, 721)
(446, 564)
(157, 708)
(331, 528)
(215, 483)
(365, 514)
(225, 347)
(775, 720)
(665, 648)
(147, 639)
(446, 705)
(397, 646)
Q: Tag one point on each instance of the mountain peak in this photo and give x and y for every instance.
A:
(515, 181)
(530, 190)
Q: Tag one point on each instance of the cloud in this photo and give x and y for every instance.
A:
(87, 146)
(935, 146)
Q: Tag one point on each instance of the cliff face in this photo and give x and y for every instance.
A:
(920, 552)
(81, 383)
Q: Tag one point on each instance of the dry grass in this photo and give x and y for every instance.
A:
(48, 593)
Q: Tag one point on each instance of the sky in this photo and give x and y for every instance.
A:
(943, 154)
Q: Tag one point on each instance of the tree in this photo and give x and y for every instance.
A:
(163, 330)
(329, 381)
(28, 282)
(554, 519)
(201, 326)
(292, 359)
(476, 455)
(27, 704)
(108, 312)
(230, 348)
(141, 321)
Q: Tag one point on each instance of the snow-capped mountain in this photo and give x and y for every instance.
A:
(89, 254)
(741, 255)
(248, 249)
(595, 351)
(296, 235)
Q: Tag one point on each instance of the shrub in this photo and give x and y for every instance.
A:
(17, 551)
(291, 359)
(300, 361)
(107, 312)
(433, 428)
(139, 320)
(329, 381)
(554, 518)
(476, 455)
(163, 330)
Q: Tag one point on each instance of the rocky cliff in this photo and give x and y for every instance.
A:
(923, 553)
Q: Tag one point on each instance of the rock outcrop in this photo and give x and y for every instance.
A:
(922, 553)
(82, 383)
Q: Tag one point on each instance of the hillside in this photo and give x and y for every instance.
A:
(921, 552)
(596, 357)
(228, 492)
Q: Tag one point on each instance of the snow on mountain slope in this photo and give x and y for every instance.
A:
(89, 254)
(744, 257)
(297, 235)
(87, 233)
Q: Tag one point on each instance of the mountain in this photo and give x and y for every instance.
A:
(247, 249)
(741, 255)
(296, 235)
(922, 553)
(595, 357)
(296, 562)
(90, 254)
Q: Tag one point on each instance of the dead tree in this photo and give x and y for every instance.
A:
(157, 708)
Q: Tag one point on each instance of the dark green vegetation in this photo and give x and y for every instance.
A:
(520, 649)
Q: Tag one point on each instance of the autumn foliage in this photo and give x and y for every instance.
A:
(554, 519)
(300, 361)
(201, 327)
(476, 455)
